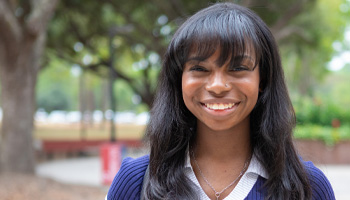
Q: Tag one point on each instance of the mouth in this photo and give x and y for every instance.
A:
(219, 106)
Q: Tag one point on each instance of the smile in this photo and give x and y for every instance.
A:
(219, 106)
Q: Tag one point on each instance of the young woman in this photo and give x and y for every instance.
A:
(221, 125)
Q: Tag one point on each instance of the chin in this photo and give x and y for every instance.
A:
(218, 128)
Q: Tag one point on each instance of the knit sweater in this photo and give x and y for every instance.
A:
(127, 184)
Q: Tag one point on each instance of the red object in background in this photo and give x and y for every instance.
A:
(111, 157)
(336, 123)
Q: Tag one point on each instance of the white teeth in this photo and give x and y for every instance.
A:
(219, 106)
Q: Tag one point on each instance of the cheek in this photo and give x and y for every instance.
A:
(254, 90)
(190, 88)
(189, 85)
(186, 90)
(250, 88)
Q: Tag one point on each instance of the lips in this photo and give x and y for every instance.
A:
(219, 106)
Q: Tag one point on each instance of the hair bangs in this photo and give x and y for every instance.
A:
(233, 34)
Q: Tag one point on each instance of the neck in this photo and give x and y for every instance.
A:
(226, 145)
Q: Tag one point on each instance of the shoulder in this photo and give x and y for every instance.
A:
(321, 187)
(127, 183)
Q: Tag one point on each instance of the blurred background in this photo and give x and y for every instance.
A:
(78, 78)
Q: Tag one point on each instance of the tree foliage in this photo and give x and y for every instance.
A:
(307, 54)
(304, 29)
(57, 87)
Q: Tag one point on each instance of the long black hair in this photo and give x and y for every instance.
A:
(172, 126)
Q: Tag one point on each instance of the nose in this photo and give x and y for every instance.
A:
(217, 84)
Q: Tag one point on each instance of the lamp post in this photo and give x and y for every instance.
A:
(113, 31)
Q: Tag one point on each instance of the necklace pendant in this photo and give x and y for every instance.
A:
(217, 195)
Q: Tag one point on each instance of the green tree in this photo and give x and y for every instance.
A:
(57, 87)
(305, 45)
(137, 53)
(307, 52)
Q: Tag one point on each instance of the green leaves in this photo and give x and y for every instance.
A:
(305, 30)
(329, 135)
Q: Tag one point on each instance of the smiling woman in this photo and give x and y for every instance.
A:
(222, 121)
(221, 97)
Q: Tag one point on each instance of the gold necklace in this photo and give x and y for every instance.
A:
(217, 194)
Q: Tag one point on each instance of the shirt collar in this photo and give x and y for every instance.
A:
(255, 167)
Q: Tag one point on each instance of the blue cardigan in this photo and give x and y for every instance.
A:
(127, 184)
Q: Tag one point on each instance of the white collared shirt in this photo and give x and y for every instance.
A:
(242, 188)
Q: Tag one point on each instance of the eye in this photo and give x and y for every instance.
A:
(239, 68)
(198, 68)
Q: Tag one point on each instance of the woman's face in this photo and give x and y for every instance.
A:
(221, 97)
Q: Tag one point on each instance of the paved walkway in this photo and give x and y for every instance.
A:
(88, 171)
(339, 176)
(83, 171)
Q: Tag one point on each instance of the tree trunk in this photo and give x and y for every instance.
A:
(104, 103)
(82, 104)
(22, 39)
(19, 68)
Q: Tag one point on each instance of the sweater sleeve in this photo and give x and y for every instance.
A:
(127, 184)
(321, 187)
